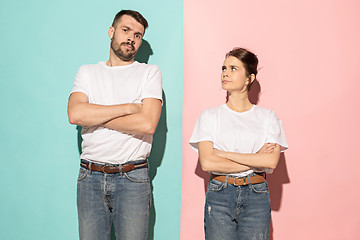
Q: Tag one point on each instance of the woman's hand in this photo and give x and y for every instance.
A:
(267, 148)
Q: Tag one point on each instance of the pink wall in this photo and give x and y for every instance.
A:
(310, 75)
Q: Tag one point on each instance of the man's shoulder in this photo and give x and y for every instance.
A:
(147, 66)
(91, 66)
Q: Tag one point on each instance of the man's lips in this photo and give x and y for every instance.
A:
(129, 46)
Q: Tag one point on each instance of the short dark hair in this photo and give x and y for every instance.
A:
(136, 15)
(248, 59)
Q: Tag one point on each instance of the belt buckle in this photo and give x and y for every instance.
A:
(102, 168)
(240, 178)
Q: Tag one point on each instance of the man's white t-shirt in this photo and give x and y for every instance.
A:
(244, 132)
(106, 85)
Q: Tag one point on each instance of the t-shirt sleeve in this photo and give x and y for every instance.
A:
(81, 81)
(276, 132)
(203, 131)
(153, 85)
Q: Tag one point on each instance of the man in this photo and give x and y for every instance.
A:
(118, 104)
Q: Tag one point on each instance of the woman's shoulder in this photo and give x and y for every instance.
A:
(267, 113)
(212, 111)
(263, 110)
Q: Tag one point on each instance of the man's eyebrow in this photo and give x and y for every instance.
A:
(139, 33)
(128, 28)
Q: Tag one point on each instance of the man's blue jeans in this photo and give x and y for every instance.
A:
(121, 199)
(237, 212)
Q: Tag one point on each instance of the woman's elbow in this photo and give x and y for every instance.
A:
(272, 166)
(273, 163)
(205, 165)
(205, 168)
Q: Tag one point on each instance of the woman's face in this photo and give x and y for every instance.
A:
(233, 76)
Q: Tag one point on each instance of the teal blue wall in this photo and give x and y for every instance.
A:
(43, 43)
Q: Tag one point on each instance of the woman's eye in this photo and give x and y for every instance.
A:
(223, 69)
(233, 68)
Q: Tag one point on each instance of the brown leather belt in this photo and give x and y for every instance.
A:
(258, 178)
(113, 168)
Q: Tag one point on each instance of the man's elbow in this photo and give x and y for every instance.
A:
(149, 128)
(74, 119)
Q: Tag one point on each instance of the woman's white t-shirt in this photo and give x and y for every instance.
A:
(244, 132)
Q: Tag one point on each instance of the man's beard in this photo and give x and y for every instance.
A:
(124, 56)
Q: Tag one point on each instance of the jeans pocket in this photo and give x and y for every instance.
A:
(215, 185)
(82, 173)
(260, 187)
(138, 175)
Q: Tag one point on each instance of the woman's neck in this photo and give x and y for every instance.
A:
(239, 102)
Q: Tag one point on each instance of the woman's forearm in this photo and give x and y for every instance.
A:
(253, 160)
(213, 163)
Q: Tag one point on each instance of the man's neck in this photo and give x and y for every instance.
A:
(115, 61)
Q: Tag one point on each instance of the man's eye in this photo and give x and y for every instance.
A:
(137, 35)
(125, 30)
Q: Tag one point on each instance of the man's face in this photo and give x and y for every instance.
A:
(126, 37)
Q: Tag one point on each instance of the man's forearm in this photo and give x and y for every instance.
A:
(88, 114)
(132, 124)
(143, 122)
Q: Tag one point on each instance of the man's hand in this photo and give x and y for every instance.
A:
(136, 107)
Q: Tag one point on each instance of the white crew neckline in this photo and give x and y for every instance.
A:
(239, 113)
(103, 63)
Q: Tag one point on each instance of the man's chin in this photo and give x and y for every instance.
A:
(126, 57)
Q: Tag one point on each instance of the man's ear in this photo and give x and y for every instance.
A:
(111, 32)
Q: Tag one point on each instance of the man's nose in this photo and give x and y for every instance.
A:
(131, 38)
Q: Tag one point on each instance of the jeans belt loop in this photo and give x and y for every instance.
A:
(226, 181)
(89, 167)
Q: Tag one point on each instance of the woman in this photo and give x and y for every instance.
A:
(238, 142)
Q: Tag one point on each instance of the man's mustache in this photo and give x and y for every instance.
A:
(129, 44)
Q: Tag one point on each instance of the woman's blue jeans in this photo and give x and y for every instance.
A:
(120, 199)
(237, 212)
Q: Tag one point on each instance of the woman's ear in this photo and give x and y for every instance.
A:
(252, 77)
